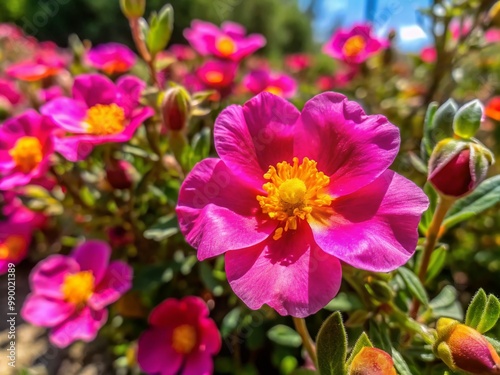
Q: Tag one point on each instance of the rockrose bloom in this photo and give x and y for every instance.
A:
(293, 194)
(181, 339)
(297, 62)
(99, 112)
(218, 75)
(428, 54)
(70, 293)
(492, 109)
(25, 149)
(355, 45)
(9, 91)
(228, 42)
(15, 238)
(276, 83)
(372, 361)
(111, 58)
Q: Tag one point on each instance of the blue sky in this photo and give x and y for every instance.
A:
(400, 15)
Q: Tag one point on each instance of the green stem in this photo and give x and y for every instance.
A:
(410, 324)
(143, 49)
(307, 341)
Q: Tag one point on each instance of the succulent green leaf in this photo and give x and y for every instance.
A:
(331, 346)
(414, 285)
(284, 335)
(468, 119)
(476, 308)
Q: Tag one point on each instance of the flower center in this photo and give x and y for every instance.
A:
(116, 66)
(274, 90)
(105, 119)
(27, 153)
(12, 247)
(295, 192)
(184, 338)
(225, 45)
(78, 287)
(354, 45)
(214, 77)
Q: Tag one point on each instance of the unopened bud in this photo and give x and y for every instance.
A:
(160, 29)
(133, 8)
(120, 174)
(372, 361)
(463, 348)
(176, 108)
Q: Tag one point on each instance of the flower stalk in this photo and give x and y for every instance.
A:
(307, 341)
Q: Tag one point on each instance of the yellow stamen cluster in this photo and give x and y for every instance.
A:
(225, 45)
(184, 339)
(296, 191)
(105, 119)
(78, 287)
(274, 90)
(214, 77)
(354, 45)
(27, 153)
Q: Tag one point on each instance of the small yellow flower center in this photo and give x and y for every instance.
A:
(12, 247)
(78, 287)
(214, 77)
(294, 192)
(274, 90)
(105, 119)
(184, 339)
(27, 153)
(225, 45)
(354, 45)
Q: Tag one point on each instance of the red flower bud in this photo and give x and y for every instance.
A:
(176, 108)
(372, 361)
(119, 174)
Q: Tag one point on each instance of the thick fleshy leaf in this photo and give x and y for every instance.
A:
(476, 308)
(116, 281)
(375, 228)
(93, 256)
(292, 274)
(46, 312)
(251, 138)
(349, 146)
(414, 285)
(490, 315)
(331, 346)
(155, 353)
(218, 213)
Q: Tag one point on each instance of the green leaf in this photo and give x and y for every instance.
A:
(426, 144)
(490, 315)
(284, 335)
(437, 262)
(414, 285)
(230, 322)
(380, 336)
(331, 346)
(362, 342)
(427, 216)
(446, 304)
(164, 228)
(476, 308)
(400, 363)
(160, 29)
(486, 195)
(345, 302)
(304, 371)
(467, 119)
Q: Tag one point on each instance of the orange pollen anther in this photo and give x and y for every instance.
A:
(354, 45)
(225, 45)
(105, 119)
(12, 247)
(27, 153)
(184, 339)
(214, 77)
(78, 287)
(294, 192)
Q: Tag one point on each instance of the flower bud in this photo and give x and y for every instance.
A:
(468, 119)
(120, 174)
(133, 8)
(176, 108)
(457, 167)
(160, 29)
(372, 361)
(463, 348)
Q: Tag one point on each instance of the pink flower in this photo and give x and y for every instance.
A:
(217, 75)
(70, 293)
(459, 30)
(9, 91)
(181, 336)
(276, 83)
(16, 211)
(355, 45)
(294, 194)
(492, 35)
(99, 112)
(428, 54)
(228, 42)
(50, 93)
(15, 238)
(297, 62)
(111, 58)
(182, 52)
(339, 80)
(10, 31)
(25, 148)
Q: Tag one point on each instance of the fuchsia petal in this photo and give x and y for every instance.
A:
(349, 146)
(116, 281)
(45, 312)
(210, 340)
(68, 114)
(48, 276)
(218, 213)
(173, 312)
(83, 325)
(198, 363)
(292, 274)
(155, 354)
(251, 138)
(375, 228)
(129, 90)
(94, 89)
(93, 256)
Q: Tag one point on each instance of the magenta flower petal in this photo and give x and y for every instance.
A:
(46, 312)
(233, 29)
(83, 325)
(155, 354)
(216, 201)
(360, 147)
(251, 138)
(112, 58)
(94, 89)
(129, 90)
(116, 281)
(198, 363)
(173, 312)
(375, 228)
(211, 341)
(93, 256)
(292, 275)
(68, 114)
(48, 276)
(73, 148)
